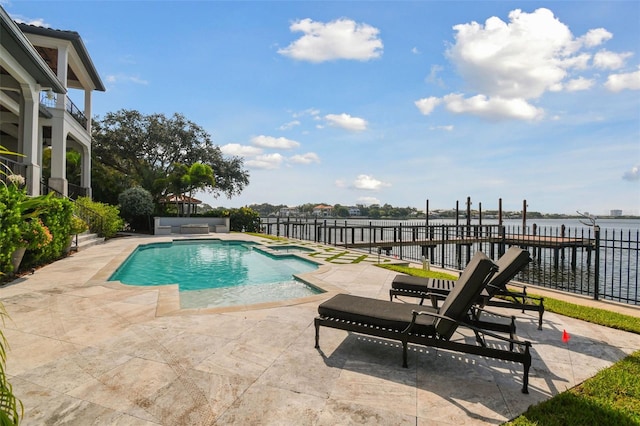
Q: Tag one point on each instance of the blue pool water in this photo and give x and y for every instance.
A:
(216, 273)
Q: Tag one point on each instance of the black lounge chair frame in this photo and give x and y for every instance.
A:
(497, 293)
(409, 323)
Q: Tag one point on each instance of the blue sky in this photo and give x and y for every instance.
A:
(386, 102)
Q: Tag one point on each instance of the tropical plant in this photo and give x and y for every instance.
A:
(35, 234)
(11, 408)
(186, 179)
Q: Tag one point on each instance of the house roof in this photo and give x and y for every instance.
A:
(17, 44)
(77, 43)
(181, 199)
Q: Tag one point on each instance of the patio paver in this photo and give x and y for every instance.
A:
(84, 351)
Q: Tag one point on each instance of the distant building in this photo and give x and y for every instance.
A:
(354, 211)
(322, 210)
(616, 213)
(288, 211)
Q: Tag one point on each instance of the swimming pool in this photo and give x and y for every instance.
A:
(213, 273)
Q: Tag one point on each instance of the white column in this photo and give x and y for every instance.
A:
(63, 63)
(87, 108)
(58, 180)
(85, 177)
(28, 136)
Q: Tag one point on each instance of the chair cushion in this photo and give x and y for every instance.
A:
(379, 313)
(466, 291)
(509, 265)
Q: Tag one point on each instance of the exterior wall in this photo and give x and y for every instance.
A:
(171, 225)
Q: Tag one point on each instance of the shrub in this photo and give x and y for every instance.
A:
(78, 226)
(103, 219)
(10, 221)
(55, 214)
(136, 204)
(244, 219)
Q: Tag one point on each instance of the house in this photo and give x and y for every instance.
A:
(354, 211)
(288, 211)
(40, 70)
(323, 210)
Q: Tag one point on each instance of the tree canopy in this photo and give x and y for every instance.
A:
(133, 149)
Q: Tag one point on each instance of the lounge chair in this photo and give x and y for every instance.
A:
(428, 326)
(512, 262)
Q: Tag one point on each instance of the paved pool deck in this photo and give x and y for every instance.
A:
(86, 351)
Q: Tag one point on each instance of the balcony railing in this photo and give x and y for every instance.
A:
(49, 99)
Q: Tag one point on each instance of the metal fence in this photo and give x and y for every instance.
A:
(602, 264)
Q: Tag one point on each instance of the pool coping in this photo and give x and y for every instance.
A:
(168, 303)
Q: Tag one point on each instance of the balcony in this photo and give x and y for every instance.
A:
(50, 99)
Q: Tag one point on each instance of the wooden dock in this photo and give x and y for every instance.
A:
(533, 241)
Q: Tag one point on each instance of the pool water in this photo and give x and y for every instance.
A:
(216, 273)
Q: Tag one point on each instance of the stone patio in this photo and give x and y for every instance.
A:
(87, 351)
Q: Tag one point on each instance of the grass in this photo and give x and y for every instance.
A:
(611, 397)
(419, 272)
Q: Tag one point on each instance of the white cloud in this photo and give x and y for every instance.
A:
(633, 174)
(339, 39)
(308, 158)
(628, 81)
(272, 142)
(606, 59)
(595, 37)
(509, 64)
(433, 75)
(347, 122)
(236, 149)
(579, 83)
(447, 128)
(368, 183)
(309, 111)
(289, 125)
(427, 105)
(415, 51)
(493, 108)
(122, 78)
(38, 22)
(266, 161)
(521, 58)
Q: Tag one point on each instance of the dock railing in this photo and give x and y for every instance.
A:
(602, 264)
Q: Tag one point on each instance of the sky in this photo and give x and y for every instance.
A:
(385, 102)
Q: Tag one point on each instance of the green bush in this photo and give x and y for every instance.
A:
(244, 219)
(136, 205)
(103, 219)
(10, 222)
(78, 225)
(55, 213)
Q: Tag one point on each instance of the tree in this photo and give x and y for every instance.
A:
(132, 149)
(184, 179)
(136, 205)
